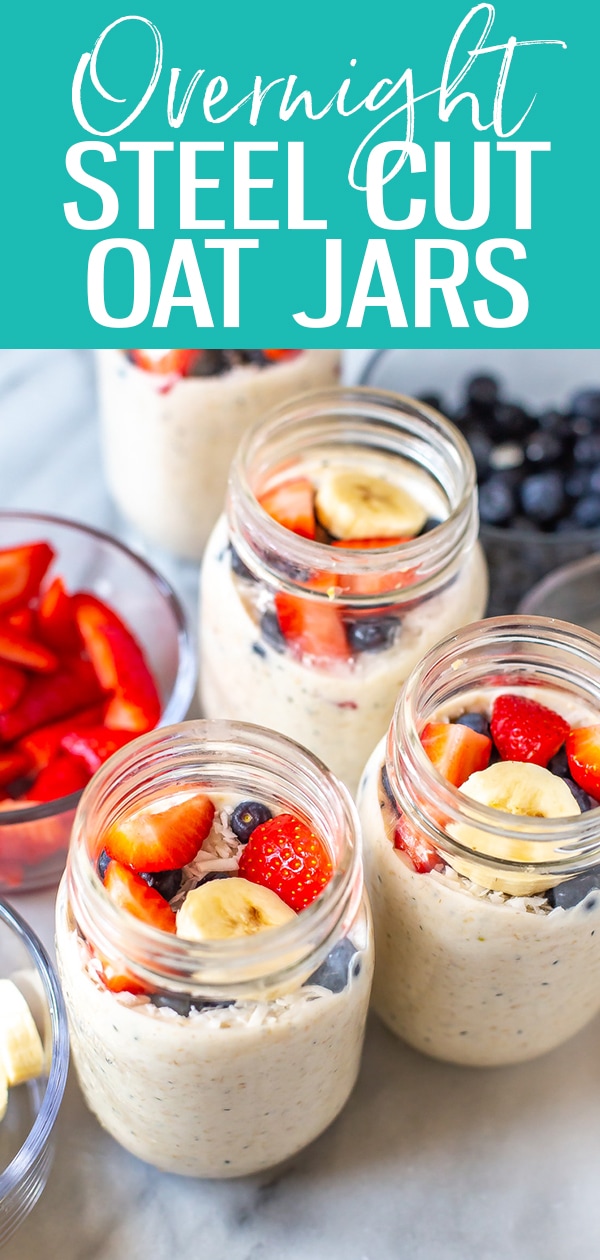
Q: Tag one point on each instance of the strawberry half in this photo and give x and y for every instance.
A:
(12, 766)
(421, 853)
(291, 504)
(12, 685)
(583, 755)
(166, 362)
(55, 619)
(456, 751)
(93, 745)
(312, 628)
(42, 744)
(276, 355)
(119, 664)
(524, 730)
(284, 855)
(61, 777)
(372, 583)
(21, 573)
(134, 895)
(161, 840)
(18, 649)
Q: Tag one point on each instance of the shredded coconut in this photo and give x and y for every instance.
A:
(220, 852)
(534, 903)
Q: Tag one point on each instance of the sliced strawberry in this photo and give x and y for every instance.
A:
(524, 730)
(21, 619)
(42, 744)
(133, 894)
(291, 504)
(421, 853)
(456, 751)
(285, 855)
(21, 573)
(12, 766)
(12, 685)
(372, 583)
(166, 362)
(583, 755)
(275, 355)
(161, 839)
(312, 628)
(28, 653)
(95, 744)
(62, 776)
(55, 619)
(119, 664)
(73, 687)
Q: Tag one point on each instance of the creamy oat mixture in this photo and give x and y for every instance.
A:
(464, 974)
(167, 452)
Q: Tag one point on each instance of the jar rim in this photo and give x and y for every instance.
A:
(560, 654)
(387, 422)
(196, 752)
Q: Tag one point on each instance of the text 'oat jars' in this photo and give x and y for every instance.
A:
(311, 625)
(482, 847)
(229, 1048)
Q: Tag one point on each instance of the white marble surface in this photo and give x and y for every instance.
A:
(427, 1162)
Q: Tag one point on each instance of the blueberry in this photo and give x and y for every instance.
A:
(103, 861)
(587, 511)
(239, 567)
(371, 634)
(575, 890)
(183, 1003)
(246, 817)
(167, 883)
(543, 496)
(587, 450)
(476, 722)
(334, 971)
(432, 522)
(432, 400)
(543, 449)
(271, 630)
(559, 764)
(387, 787)
(506, 456)
(481, 449)
(482, 392)
(511, 421)
(584, 800)
(578, 483)
(209, 363)
(587, 403)
(594, 484)
(553, 422)
(496, 501)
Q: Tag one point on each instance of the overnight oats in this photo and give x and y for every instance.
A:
(481, 823)
(172, 419)
(348, 549)
(215, 948)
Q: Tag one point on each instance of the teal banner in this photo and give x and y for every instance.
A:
(333, 174)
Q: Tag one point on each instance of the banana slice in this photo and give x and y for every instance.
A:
(352, 504)
(515, 787)
(3, 1092)
(21, 1050)
(231, 907)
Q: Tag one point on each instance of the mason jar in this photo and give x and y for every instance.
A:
(366, 614)
(487, 922)
(220, 1057)
(168, 439)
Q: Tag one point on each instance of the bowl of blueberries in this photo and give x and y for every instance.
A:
(532, 420)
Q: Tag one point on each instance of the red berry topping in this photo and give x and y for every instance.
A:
(524, 730)
(163, 839)
(284, 855)
(421, 853)
(133, 894)
(583, 754)
(165, 362)
(291, 504)
(312, 627)
(93, 745)
(456, 751)
(21, 573)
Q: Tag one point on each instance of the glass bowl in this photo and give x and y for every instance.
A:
(34, 838)
(572, 592)
(26, 1132)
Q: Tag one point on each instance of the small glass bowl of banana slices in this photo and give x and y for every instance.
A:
(34, 1056)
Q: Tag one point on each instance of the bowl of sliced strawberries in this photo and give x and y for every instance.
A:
(94, 651)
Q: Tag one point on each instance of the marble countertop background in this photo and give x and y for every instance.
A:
(428, 1162)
